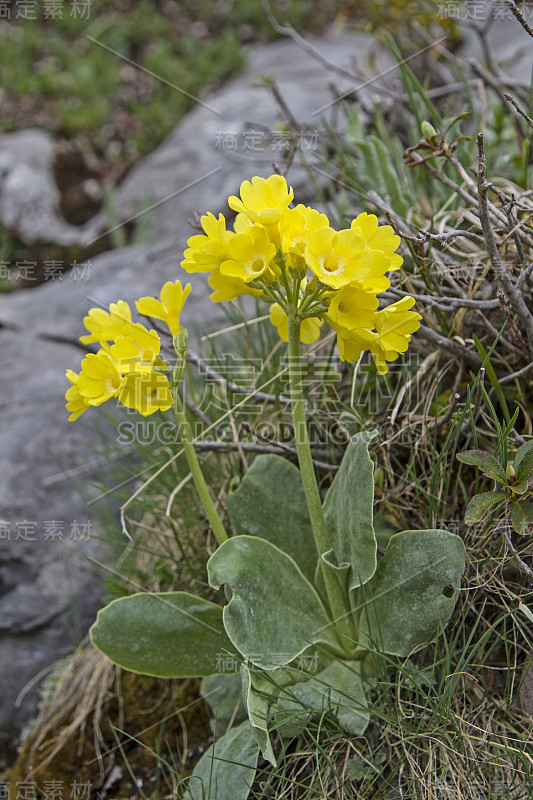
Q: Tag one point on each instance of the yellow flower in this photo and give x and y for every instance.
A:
(297, 225)
(394, 325)
(309, 330)
(137, 352)
(104, 326)
(241, 223)
(99, 378)
(76, 403)
(351, 343)
(251, 254)
(380, 238)
(338, 258)
(353, 308)
(205, 252)
(228, 288)
(168, 308)
(146, 392)
(263, 200)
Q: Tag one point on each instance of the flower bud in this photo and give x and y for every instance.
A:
(428, 130)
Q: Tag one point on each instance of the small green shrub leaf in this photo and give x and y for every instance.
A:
(480, 504)
(348, 510)
(275, 613)
(522, 516)
(414, 589)
(270, 503)
(226, 771)
(524, 473)
(486, 463)
(167, 635)
(522, 451)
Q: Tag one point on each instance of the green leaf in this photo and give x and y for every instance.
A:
(348, 510)
(486, 463)
(524, 473)
(337, 689)
(275, 613)
(522, 452)
(480, 504)
(414, 589)
(226, 771)
(167, 635)
(522, 516)
(270, 503)
(222, 692)
(257, 705)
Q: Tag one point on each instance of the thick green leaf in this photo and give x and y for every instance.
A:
(524, 473)
(257, 705)
(275, 613)
(223, 693)
(338, 689)
(348, 511)
(486, 463)
(480, 504)
(270, 503)
(522, 516)
(226, 771)
(414, 589)
(168, 635)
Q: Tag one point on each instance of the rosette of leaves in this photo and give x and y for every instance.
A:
(295, 661)
(513, 491)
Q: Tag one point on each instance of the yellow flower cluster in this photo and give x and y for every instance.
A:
(127, 365)
(271, 251)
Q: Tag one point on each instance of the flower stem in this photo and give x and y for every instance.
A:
(338, 604)
(196, 470)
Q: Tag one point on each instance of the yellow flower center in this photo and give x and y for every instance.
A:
(331, 264)
(257, 265)
(112, 384)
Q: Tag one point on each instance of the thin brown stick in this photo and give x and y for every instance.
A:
(515, 297)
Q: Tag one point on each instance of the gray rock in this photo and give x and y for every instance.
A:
(29, 197)
(49, 593)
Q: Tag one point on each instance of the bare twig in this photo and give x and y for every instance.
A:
(445, 303)
(520, 17)
(452, 347)
(307, 47)
(522, 566)
(515, 297)
(524, 276)
(250, 447)
(236, 388)
(520, 110)
(519, 374)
